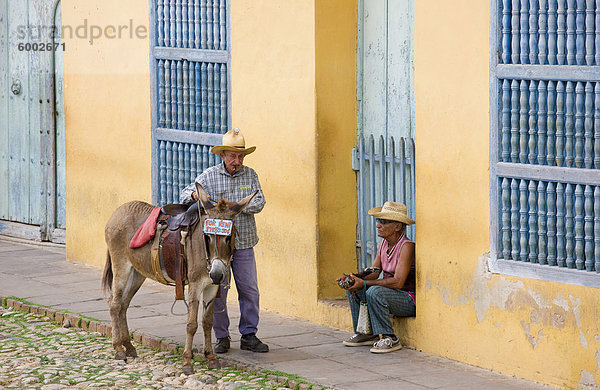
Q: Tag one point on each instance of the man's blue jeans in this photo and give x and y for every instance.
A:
(382, 302)
(243, 267)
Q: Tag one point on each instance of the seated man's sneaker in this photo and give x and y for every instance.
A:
(250, 342)
(222, 345)
(386, 344)
(360, 339)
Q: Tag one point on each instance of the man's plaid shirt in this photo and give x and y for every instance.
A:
(218, 183)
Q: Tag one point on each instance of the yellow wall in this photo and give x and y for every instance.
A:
(289, 65)
(543, 331)
(336, 32)
(107, 110)
(273, 103)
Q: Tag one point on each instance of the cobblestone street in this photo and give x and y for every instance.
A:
(35, 353)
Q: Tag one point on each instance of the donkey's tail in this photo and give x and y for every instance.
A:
(107, 276)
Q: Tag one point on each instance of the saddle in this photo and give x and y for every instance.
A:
(168, 260)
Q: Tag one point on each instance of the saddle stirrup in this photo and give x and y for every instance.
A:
(187, 308)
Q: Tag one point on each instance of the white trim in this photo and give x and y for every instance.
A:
(544, 272)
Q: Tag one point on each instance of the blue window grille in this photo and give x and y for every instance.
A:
(190, 86)
(545, 139)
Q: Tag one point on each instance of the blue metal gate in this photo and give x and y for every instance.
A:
(190, 90)
(384, 156)
(32, 169)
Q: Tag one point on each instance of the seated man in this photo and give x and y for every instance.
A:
(394, 294)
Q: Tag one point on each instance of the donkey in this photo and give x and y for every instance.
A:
(126, 269)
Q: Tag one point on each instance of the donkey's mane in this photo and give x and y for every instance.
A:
(222, 204)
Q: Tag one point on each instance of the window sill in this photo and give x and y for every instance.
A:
(545, 272)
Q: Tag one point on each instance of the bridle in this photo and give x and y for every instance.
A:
(226, 282)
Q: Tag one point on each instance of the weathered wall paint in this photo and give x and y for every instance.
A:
(542, 331)
(107, 110)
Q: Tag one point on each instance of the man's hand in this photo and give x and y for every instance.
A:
(195, 196)
(358, 284)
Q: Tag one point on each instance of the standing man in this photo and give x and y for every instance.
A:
(233, 181)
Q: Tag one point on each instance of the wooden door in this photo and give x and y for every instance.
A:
(31, 140)
(384, 156)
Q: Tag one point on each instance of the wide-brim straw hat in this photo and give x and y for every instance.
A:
(392, 211)
(233, 140)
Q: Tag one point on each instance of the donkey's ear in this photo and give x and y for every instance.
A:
(203, 197)
(239, 206)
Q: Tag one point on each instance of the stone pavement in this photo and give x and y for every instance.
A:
(41, 275)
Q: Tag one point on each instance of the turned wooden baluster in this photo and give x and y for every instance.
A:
(515, 42)
(561, 253)
(542, 117)
(588, 126)
(552, 30)
(524, 228)
(532, 222)
(551, 125)
(551, 218)
(569, 226)
(514, 219)
(533, 31)
(541, 220)
(505, 41)
(523, 122)
(579, 219)
(532, 126)
(505, 219)
(579, 116)
(186, 96)
(514, 121)
(542, 31)
(505, 134)
(524, 53)
(162, 172)
(589, 228)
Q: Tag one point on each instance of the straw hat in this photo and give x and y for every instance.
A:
(233, 140)
(392, 211)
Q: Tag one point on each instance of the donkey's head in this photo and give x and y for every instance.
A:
(220, 247)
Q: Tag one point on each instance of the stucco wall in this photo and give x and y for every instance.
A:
(273, 103)
(543, 331)
(107, 113)
(336, 34)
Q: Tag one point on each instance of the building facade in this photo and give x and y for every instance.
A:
(287, 76)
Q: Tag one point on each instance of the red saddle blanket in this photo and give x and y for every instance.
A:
(146, 231)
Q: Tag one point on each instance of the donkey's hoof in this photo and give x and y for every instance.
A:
(188, 370)
(120, 356)
(213, 363)
(131, 353)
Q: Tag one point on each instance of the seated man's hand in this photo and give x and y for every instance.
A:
(357, 285)
(344, 281)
